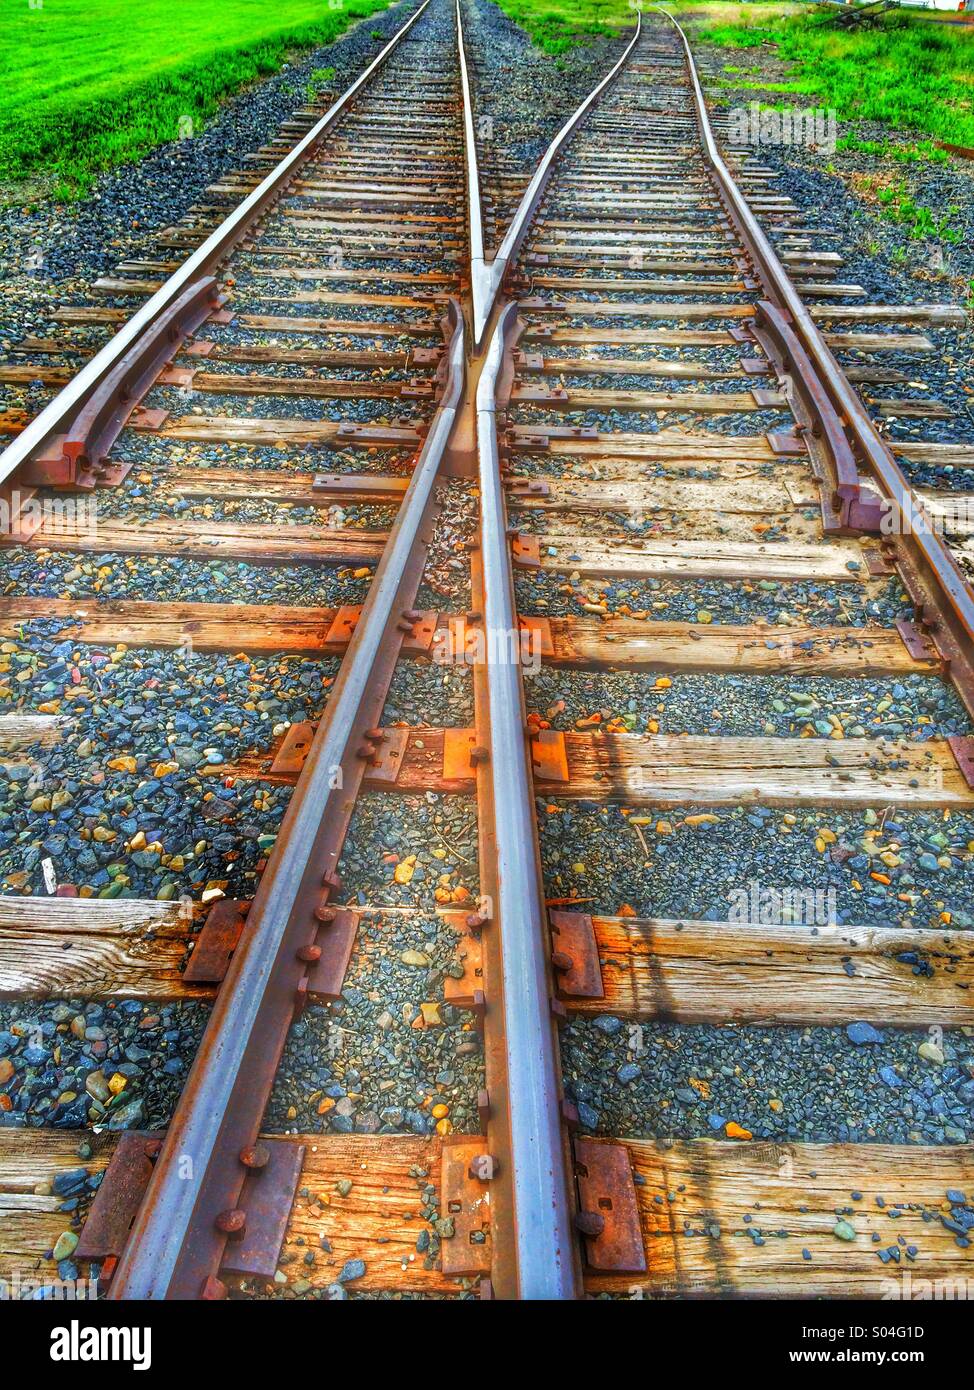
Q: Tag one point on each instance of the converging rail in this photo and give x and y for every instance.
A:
(178, 1239)
(625, 458)
(170, 314)
(632, 214)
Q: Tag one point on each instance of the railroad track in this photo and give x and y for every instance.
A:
(660, 900)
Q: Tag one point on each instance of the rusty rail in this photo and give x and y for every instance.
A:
(542, 1230)
(177, 1241)
(78, 456)
(179, 1238)
(59, 415)
(846, 507)
(930, 573)
(487, 277)
(479, 272)
(839, 429)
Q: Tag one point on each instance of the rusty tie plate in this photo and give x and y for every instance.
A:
(465, 1200)
(606, 1189)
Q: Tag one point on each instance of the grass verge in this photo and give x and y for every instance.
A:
(88, 84)
(557, 25)
(904, 69)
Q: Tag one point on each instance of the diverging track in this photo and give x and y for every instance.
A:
(594, 1039)
(704, 538)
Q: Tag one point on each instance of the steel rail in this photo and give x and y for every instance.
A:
(934, 573)
(178, 1239)
(175, 1244)
(479, 272)
(487, 277)
(534, 1254)
(218, 245)
(541, 1178)
(535, 1217)
(546, 1259)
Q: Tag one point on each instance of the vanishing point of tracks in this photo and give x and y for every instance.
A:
(617, 442)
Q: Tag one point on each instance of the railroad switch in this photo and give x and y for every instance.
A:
(76, 458)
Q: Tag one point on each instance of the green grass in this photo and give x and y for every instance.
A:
(897, 205)
(906, 70)
(903, 70)
(557, 25)
(924, 152)
(319, 81)
(88, 84)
